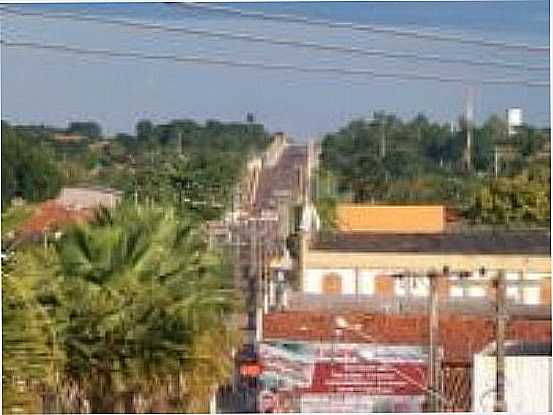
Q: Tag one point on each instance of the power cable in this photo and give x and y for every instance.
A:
(365, 28)
(266, 66)
(279, 42)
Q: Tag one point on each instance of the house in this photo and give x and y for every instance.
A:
(527, 378)
(380, 336)
(381, 256)
(68, 137)
(73, 205)
(369, 283)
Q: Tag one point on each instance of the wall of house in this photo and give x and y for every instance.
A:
(382, 283)
(527, 383)
(390, 218)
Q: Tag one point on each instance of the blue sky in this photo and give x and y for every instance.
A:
(55, 88)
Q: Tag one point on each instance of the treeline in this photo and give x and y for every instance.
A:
(190, 166)
(185, 164)
(388, 160)
(29, 170)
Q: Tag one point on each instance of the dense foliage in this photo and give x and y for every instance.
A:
(123, 315)
(388, 160)
(129, 313)
(29, 170)
(190, 166)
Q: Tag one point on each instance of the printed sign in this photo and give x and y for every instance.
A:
(322, 377)
(372, 378)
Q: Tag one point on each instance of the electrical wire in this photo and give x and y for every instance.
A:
(364, 28)
(352, 50)
(266, 66)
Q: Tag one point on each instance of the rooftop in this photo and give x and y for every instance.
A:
(480, 242)
(461, 336)
(52, 215)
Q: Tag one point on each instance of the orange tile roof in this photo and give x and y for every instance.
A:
(52, 215)
(390, 218)
(460, 336)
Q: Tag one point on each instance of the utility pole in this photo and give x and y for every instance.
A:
(500, 323)
(468, 119)
(382, 139)
(496, 161)
(433, 372)
(252, 280)
(179, 143)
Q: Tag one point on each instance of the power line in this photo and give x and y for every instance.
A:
(365, 28)
(265, 66)
(279, 42)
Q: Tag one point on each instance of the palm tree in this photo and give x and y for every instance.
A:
(29, 354)
(142, 312)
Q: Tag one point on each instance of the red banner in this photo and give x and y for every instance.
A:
(251, 369)
(372, 378)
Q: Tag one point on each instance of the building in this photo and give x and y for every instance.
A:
(527, 378)
(369, 283)
(381, 256)
(404, 336)
(87, 197)
(514, 120)
(73, 205)
(68, 137)
(390, 218)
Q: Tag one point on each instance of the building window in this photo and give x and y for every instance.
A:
(455, 288)
(366, 281)
(459, 288)
(332, 284)
(513, 291)
(531, 293)
(415, 286)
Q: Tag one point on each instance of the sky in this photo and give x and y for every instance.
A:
(54, 88)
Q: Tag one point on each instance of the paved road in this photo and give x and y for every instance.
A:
(258, 239)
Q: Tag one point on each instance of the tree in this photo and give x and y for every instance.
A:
(90, 129)
(28, 171)
(29, 352)
(144, 130)
(142, 292)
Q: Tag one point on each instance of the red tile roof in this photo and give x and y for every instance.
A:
(460, 336)
(51, 215)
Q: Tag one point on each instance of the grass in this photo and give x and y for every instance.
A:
(14, 216)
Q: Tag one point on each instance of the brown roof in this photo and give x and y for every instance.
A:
(481, 242)
(52, 215)
(461, 336)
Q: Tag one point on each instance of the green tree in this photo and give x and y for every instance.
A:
(29, 354)
(142, 291)
(89, 129)
(28, 170)
(144, 130)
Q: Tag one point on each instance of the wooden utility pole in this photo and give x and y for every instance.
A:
(469, 119)
(252, 288)
(496, 161)
(500, 323)
(433, 370)
(382, 139)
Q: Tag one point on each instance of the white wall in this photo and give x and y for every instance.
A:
(367, 282)
(527, 383)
